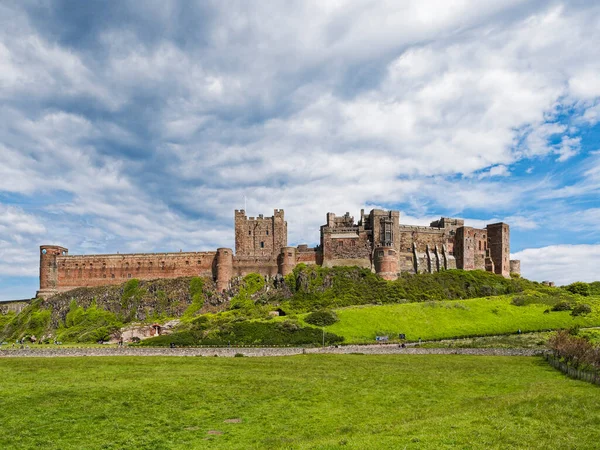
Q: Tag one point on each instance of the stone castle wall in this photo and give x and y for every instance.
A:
(377, 241)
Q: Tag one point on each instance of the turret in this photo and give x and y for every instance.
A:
(386, 262)
(287, 260)
(224, 268)
(49, 269)
(515, 267)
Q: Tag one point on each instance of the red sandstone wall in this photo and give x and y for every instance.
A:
(386, 263)
(244, 265)
(499, 245)
(471, 248)
(100, 270)
(308, 257)
(260, 236)
(342, 247)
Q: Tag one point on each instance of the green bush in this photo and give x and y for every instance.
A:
(88, 325)
(581, 310)
(518, 300)
(595, 288)
(247, 333)
(321, 318)
(179, 339)
(562, 306)
(579, 288)
(32, 321)
(315, 288)
(197, 295)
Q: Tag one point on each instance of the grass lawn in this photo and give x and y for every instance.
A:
(454, 318)
(307, 401)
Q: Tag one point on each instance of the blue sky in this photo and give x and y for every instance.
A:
(140, 126)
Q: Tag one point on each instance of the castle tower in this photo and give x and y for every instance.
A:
(260, 236)
(224, 268)
(515, 266)
(386, 262)
(49, 269)
(287, 260)
(499, 246)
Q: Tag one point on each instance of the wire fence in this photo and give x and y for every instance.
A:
(591, 376)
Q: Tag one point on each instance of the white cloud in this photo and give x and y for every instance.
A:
(144, 142)
(563, 264)
(495, 171)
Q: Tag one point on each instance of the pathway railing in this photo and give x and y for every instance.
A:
(591, 376)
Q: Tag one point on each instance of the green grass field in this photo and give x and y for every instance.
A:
(455, 318)
(308, 401)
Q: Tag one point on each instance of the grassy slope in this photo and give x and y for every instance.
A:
(456, 318)
(312, 401)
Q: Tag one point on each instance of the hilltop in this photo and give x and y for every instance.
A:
(353, 304)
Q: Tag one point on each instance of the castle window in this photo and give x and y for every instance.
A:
(187, 263)
(199, 261)
(249, 232)
(44, 251)
(112, 275)
(262, 245)
(128, 275)
(340, 243)
(391, 252)
(267, 232)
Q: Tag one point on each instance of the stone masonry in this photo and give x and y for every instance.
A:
(377, 241)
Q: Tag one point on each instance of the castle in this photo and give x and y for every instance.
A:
(377, 241)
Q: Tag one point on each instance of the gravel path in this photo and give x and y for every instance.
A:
(246, 351)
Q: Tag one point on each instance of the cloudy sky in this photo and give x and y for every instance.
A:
(140, 126)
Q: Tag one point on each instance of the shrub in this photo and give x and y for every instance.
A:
(88, 325)
(562, 306)
(579, 288)
(518, 301)
(575, 351)
(248, 333)
(238, 355)
(180, 339)
(581, 310)
(197, 295)
(321, 318)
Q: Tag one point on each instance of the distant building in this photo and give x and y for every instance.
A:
(377, 241)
